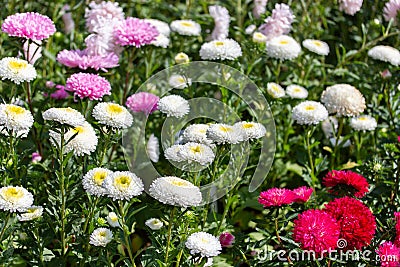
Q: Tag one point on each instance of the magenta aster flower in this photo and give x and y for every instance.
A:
(302, 193)
(316, 230)
(29, 25)
(279, 23)
(135, 32)
(60, 93)
(81, 59)
(142, 102)
(391, 10)
(226, 240)
(389, 254)
(276, 197)
(88, 85)
(397, 219)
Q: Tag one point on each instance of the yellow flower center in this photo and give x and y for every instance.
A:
(317, 43)
(99, 177)
(17, 65)
(248, 125)
(219, 43)
(12, 194)
(283, 42)
(67, 109)
(178, 182)
(275, 88)
(203, 131)
(297, 90)
(78, 129)
(102, 234)
(122, 182)
(187, 24)
(225, 129)
(31, 210)
(309, 107)
(114, 109)
(196, 149)
(205, 240)
(362, 119)
(14, 110)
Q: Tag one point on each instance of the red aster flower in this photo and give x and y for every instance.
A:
(357, 223)
(302, 193)
(226, 240)
(346, 183)
(389, 254)
(316, 230)
(276, 197)
(397, 219)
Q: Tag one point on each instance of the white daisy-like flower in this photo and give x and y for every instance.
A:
(101, 237)
(309, 112)
(17, 70)
(197, 133)
(385, 53)
(68, 116)
(179, 81)
(250, 29)
(221, 133)
(154, 224)
(15, 118)
(316, 46)
(186, 27)
(123, 185)
(296, 91)
(253, 130)
(112, 219)
(112, 114)
(204, 244)
(174, 106)
(283, 47)
(175, 191)
(330, 126)
(84, 141)
(227, 49)
(153, 148)
(30, 213)
(161, 26)
(363, 123)
(15, 198)
(161, 41)
(259, 38)
(173, 153)
(181, 58)
(196, 152)
(93, 181)
(275, 90)
(343, 99)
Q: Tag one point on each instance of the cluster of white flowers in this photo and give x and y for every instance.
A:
(190, 152)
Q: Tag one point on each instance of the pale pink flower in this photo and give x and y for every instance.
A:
(50, 84)
(135, 32)
(103, 43)
(88, 85)
(259, 8)
(350, 7)
(142, 102)
(221, 19)
(33, 51)
(81, 59)
(36, 157)
(279, 23)
(29, 25)
(391, 10)
(102, 15)
(69, 23)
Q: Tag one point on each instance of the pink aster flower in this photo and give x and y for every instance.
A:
(276, 197)
(69, 23)
(103, 14)
(279, 23)
(350, 7)
(316, 230)
(391, 10)
(259, 8)
(226, 240)
(81, 59)
(142, 102)
(346, 183)
(356, 221)
(88, 85)
(29, 25)
(135, 32)
(221, 19)
(36, 157)
(60, 93)
(302, 193)
(389, 254)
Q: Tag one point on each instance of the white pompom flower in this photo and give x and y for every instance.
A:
(15, 119)
(101, 237)
(204, 244)
(363, 123)
(296, 91)
(316, 46)
(153, 148)
(179, 81)
(15, 198)
(385, 53)
(309, 112)
(30, 214)
(17, 70)
(67, 115)
(113, 115)
(283, 47)
(186, 27)
(221, 133)
(123, 185)
(154, 224)
(93, 181)
(227, 49)
(174, 106)
(252, 130)
(275, 90)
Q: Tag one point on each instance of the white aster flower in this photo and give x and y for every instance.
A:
(250, 29)
(221, 133)
(350, 7)
(123, 185)
(68, 116)
(101, 237)
(275, 90)
(173, 153)
(385, 53)
(154, 224)
(296, 91)
(186, 27)
(30, 213)
(161, 26)
(181, 58)
(17, 70)
(309, 112)
(84, 142)
(283, 47)
(204, 244)
(316, 46)
(93, 181)
(174, 106)
(330, 126)
(259, 38)
(113, 115)
(112, 219)
(343, 99)
(153, 148)
(161, 41)
(13, 198)
(197, 133)
(175, 191)
(363, 123)
(227, 49)
(253, 130)
(221, 19)
(179, 81)
(15, 118)
(196, 152)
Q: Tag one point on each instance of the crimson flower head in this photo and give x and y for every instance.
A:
(389, 254)
(346, 183)
(356, 221)
(397, 219)
(226, 239)
(276, 197)
(316, 230)
(302, 193)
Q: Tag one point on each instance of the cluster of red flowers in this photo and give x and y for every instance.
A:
(346, 183)
(276, 197)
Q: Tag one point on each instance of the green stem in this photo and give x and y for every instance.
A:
(63, 193)
(310, 157)
(171, 218)
(126, 233)
(90, 215)
(105, 147)
(335, 155)
(3, 230)
(178, 258)
(226, 209)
